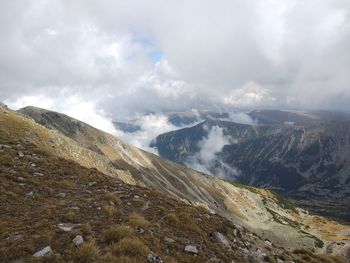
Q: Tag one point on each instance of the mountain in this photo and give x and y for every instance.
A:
(53, 156)
(310, 162)
(297, 117)
(54, 202)
(126, 126)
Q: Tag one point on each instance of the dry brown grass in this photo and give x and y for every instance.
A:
(87, 252)
(184, 219)
(109, 210)
(117, 233)
(67, 184)
(5, 158)
(131, 247)
(138, 220)
(70, 217)
(112, 197)
(86, 229)
(109, 258)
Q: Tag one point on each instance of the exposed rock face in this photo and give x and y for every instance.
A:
(304, 162)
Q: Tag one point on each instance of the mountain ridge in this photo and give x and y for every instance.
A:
(256, 209)
(293, 159)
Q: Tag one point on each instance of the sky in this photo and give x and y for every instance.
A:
(104, 60)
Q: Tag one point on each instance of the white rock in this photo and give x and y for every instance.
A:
(153, 258)
(30, 194)
(220, 238)
(4, 146)
(191, 249)
(66, 227)
(345, 251)
(169, 240)
(61, 195)
(78, 240)
(37, 174)
(267, 242)
(20, 154)
(44, 252)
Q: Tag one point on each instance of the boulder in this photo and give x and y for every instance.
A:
(30, 194)
(4, 146)
(191, 249)
(345, 251)
(66, 227)
(61, 195)
(153, 258)
(78, 240)
(221, 238)
(267, 242)
(169, 240)
(43, 252)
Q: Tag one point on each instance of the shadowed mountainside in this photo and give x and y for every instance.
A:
(309, 163)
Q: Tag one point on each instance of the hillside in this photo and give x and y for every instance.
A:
(260, 211)
(297, 117)
(308, 163)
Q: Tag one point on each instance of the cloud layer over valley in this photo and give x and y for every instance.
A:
(104, 60)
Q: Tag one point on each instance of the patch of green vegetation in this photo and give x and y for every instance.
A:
(284, 203)
(244, 186)
(318, 242)
(282, 219)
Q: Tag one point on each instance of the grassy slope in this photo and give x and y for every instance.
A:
(109, 214)
(242, 205)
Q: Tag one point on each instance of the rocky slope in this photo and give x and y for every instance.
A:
(260, 211)
(309, 163)
(54, 210)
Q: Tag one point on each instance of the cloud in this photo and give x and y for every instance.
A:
(151, 125)
(250, 94)
(206, 161)
(73, 106)
(241, 117)
(127, 57)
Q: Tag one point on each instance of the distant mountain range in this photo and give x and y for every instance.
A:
(303, 155)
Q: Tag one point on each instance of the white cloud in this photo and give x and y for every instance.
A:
(212, 144)
(39, 101)
(73, 106)
(249, 95)
(241, 117)
(205, 159)
(242, 53)
(151, 125)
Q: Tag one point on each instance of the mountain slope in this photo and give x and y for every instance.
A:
(49, 201)
(258, 210)
(297, 117)
(307, 163)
